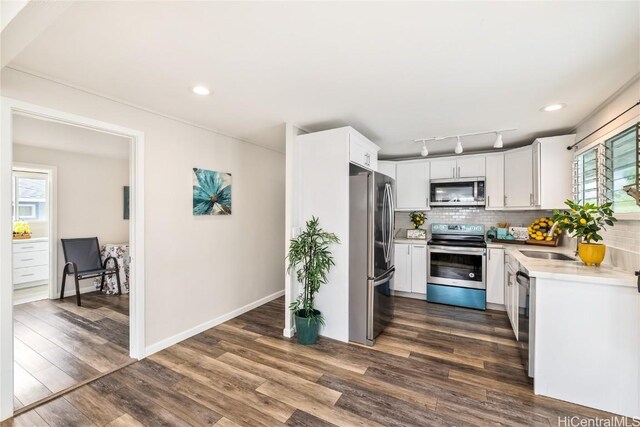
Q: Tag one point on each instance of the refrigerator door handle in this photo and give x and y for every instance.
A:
(384, 226)
(391, 220)
(385, 277)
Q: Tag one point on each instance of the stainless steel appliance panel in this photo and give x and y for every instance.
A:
(383, 215)
(457, 192)
(371, 267)
(526, 322)
(457, 266)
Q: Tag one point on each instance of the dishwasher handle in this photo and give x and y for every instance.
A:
(638, 276)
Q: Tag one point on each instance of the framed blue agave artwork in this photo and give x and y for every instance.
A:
(211, 192)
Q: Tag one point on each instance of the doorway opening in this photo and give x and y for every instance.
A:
(70, 178)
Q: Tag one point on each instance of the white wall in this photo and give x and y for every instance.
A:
(89, 195)
(197, 268)
(623, 240)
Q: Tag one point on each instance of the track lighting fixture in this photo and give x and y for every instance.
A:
(498, 143)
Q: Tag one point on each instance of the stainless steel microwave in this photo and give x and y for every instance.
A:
(457, 192)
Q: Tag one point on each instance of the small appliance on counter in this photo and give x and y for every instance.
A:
(457, 265)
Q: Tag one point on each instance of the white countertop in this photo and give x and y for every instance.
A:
(566, 270)
(31, 240)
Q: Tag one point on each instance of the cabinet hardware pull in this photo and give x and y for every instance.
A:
(26, 259)
(408, 249)
(27, 247)
(488, 200)
(454, 171)
(489, 253)
(458, 171)
(27, 274)
(531, 199)
(505, 200)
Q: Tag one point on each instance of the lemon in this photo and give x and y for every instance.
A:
(583, 221)
(549, 238)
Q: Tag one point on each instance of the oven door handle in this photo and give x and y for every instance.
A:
(457, 250)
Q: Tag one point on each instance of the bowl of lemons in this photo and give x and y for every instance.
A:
(540, 232)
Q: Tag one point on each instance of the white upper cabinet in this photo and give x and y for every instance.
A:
(470, 166)
(362, 151)
(552, 163)
(518, 178)
(412, 185)
(443, 168)
(494, 181)
(387, 168)
(460, 167)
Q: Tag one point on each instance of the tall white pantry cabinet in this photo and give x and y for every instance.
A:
(322, 176)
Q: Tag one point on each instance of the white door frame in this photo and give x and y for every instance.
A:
(9, 107)
(52, 200)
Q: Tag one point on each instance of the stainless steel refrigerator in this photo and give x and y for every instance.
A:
(371, 269)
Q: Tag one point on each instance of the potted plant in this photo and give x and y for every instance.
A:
(21, 230)
(309, 256)
(417, 218)
(584, 222)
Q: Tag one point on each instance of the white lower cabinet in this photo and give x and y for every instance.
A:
(419, 269)
(495, 276)
(411, 268)
(402, 261)
(511, 293)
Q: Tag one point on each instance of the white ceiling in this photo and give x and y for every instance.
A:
(395, 71)
(59, 136)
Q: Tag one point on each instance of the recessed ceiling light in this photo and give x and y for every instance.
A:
(200, 90)
(553, 107)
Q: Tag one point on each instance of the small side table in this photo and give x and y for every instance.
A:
(119, 251)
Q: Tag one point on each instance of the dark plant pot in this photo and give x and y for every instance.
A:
(306, 329)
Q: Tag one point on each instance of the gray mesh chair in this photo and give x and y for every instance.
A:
(82, 261)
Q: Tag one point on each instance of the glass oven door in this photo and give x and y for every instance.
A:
(457, 266)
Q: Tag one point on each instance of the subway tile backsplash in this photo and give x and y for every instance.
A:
(471, 215)
(622, 240)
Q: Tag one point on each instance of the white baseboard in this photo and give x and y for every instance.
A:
(168, 342)
(497, 307)
(288, 333)
(410, 295)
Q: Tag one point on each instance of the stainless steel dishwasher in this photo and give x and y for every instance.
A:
(526, 320)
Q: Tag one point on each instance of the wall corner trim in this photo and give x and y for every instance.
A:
(168, 342)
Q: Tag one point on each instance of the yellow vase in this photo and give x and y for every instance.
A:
(591, 253)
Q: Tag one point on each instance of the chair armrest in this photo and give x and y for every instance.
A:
(71, 264)
(106, 261)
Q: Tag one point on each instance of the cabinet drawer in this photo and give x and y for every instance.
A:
(30, 246)
(30, 259)
(30, 274)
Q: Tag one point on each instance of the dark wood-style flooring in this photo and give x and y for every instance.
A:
(435, 366)
(58, 344)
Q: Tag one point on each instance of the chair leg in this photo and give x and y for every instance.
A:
(77, 289)
(102, 283)
(118, 282)
(64, 281)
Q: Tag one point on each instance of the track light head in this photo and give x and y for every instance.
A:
(458, 149)
(424, 152)
(498, 143)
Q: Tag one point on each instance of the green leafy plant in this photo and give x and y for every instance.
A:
(309, 256)
(585, 221)
(417, 218)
